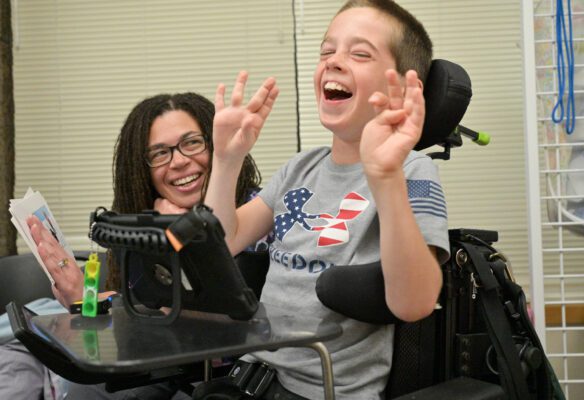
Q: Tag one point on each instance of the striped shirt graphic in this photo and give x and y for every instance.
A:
(336, 230)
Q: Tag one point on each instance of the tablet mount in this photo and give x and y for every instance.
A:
(181, 260)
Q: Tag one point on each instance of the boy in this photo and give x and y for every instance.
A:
(367, 197)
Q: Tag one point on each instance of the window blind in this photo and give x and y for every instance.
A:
(80, 67)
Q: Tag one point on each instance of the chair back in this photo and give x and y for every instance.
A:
(23, 280)
(414, 362)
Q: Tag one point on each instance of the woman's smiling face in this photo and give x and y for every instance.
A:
(181, 180)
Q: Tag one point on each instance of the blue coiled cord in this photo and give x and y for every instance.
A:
(563, 62)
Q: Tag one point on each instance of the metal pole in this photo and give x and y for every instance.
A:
(327, 370)
(532, 170)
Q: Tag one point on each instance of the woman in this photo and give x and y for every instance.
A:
(162, 160)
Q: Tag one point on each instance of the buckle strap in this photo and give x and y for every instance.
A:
(259, 381)
(253, 379)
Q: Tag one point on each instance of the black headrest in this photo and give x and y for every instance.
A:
(447, 93)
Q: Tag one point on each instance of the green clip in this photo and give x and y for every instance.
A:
(90, 286)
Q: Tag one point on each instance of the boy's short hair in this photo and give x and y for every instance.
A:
(413, 47)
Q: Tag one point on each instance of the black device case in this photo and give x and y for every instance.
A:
(202, 276)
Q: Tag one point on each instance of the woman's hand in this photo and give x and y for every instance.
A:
(68, 287)
(164, 206)
(236, 127)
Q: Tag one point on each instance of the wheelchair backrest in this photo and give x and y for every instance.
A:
(447, 93)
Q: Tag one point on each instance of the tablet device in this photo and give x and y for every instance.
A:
(202, 275)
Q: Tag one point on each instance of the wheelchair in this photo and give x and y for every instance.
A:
(429, 360)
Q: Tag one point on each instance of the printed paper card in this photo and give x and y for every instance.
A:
(33, 203)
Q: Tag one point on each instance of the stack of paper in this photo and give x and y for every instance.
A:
(33, 203)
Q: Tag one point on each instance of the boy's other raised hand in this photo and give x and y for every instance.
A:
(392, 134)
(236, 126)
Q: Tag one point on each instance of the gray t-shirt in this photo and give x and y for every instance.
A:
(325, 215)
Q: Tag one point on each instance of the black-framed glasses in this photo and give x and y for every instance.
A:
(190, 145)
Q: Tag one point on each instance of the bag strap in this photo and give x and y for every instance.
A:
(515, 306)
(509, 365)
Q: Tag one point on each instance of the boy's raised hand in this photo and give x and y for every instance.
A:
(236, 126)
(392, 134)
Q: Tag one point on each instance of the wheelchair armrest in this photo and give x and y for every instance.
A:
(461, 388)
(355, 291)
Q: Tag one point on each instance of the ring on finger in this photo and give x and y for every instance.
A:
(63, 262)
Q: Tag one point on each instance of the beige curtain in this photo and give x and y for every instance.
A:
(80, 66)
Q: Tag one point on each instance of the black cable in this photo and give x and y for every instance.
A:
(296, 85)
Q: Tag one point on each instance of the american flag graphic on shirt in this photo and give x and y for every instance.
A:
(426, 197)
(294, 200)
(334, 231)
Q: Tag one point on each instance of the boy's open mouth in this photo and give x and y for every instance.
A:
(336, 91)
